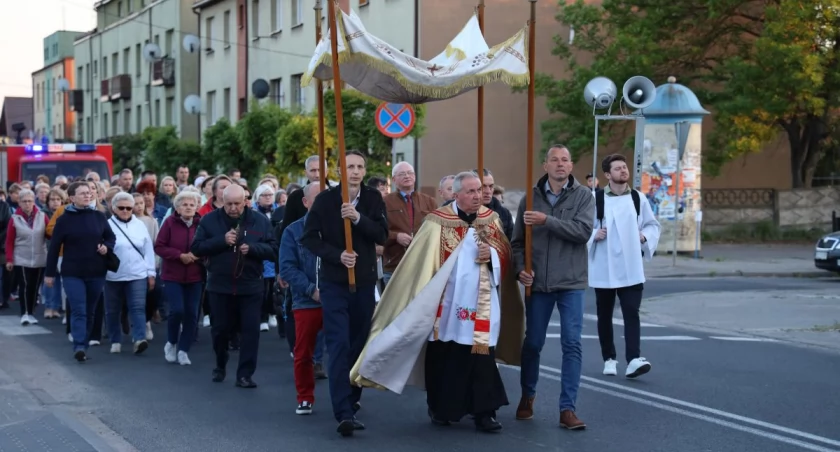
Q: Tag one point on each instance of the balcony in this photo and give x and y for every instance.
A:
(163, 72)
(104, 90)
(76, 98)
(121, 87)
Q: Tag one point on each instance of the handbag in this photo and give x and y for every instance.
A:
(112, 262)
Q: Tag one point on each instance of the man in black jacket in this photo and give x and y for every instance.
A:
(294, 209)
(235, 240)
(347, 314)
(6, 277)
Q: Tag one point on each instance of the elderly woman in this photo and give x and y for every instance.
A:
(83, 233)
(149, 191)
(26, 252)
(181, 273)
(166, 192)
(135, 276)
(264, 204)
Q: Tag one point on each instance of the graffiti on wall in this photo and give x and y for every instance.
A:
(659, 183)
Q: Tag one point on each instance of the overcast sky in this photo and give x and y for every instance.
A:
(23, 27)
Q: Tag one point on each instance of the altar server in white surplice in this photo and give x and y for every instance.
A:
(626, 233)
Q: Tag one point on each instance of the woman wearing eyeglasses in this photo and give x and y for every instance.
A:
(84, 234)
(26, 252)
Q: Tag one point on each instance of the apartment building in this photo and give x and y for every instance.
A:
(273, 40)
(52, 115)
(120, 89)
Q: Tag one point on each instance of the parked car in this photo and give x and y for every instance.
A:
(827, 252)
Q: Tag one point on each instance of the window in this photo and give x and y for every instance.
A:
(60, 131)
(117, 124)
(276, 15)
(276, 94)
(46, 53)
(255, 19)
(95, 68)
(130, 10)
(81, 129)
(170, 110)
(226, 103)
(226, 29)
(211, 108)
(126, 59)
(90, 130)
(298, 100)
(157, 112)
(297, 12)
(104, 67)
(104, 125)
(208, 33)
(167, 42)
(80, 75)
(139, 119)
(127, 121)
(138, 60)
(115, 61)
(119, 9)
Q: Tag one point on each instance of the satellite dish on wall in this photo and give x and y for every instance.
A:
(192, 104)
(152, 52)
(191, 43)
(63, 85)
(260, 88)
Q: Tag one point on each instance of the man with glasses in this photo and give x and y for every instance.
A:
(489, 201)
(406, 209)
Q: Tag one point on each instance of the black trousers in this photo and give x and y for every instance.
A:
(8, 282)
(630, 299)
(289, 322)
(268, 299)
(98, 318)
(232, 314)
(29, 282)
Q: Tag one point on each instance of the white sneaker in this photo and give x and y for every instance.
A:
(93, 343)
(33, 320)
(304, 409)
(206, 322)
(24, 320)
(184, 359)
(637, 367)
(116, 348)
(64, 320)
(610, 367)
(149, 334)
(70, 337)
(170, 352)
(263, 327)
(272, 321)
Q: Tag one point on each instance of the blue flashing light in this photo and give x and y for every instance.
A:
(59, 147)
(35, 148)
(85, 148)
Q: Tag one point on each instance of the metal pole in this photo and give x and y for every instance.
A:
(676, 208)
(638, 152)
(698, 218)
(595, 153)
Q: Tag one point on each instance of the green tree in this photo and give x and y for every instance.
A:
(297, 141)
(257, 131)
(128, 151)
(220, 142)
(360, 131)
(165, 151)
(761, 67)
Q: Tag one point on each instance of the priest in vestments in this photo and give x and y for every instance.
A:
(451, 311)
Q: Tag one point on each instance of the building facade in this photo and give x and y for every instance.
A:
(52, 116)
(273, 40)
(122, 87)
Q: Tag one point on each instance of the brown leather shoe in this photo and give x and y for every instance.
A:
(525, 410)
(570, 421)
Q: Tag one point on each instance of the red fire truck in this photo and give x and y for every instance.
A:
(25, 162)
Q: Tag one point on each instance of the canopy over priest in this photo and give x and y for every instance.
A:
(452, 310)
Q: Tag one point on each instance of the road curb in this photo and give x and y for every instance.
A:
(743, 274)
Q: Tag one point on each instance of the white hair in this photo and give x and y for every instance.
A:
(457, 184)
(186, 194)
(262, 189)
(445, 178)
(26, 192)
(397, 167)
(309, 161)
(122, 196)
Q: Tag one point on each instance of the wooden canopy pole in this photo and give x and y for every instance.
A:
(319, 87)
(529, 174)
(480, 168)
(339, 125)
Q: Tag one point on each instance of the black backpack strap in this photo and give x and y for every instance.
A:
(599, 206)
(637, 202)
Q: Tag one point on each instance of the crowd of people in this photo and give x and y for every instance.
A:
(443, 276)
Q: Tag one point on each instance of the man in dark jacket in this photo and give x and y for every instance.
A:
(5, 279)
(489, 201)
(235, 240)
(347, 314)
(294, 209)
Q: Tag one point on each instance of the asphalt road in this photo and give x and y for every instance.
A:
(703, 394)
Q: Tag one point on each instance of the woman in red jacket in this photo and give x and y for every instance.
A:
(181, 274)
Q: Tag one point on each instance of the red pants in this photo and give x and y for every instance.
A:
(308, 322)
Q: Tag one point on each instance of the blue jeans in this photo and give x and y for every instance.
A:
(184, 299)
(52, 295)
(82, 296)
(537, 315)
(386, 276)
(347, 319)
(133, 294)
(318, 357)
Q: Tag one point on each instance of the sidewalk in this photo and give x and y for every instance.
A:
(740, 260)
(810, 317)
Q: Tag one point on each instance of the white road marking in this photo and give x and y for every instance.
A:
(554, 375)
(616, 321)
(10, 326)
(743, 339)
(644, 338)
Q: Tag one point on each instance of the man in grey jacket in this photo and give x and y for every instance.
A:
(561, 222)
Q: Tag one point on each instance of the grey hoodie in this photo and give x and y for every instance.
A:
(558, 256)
